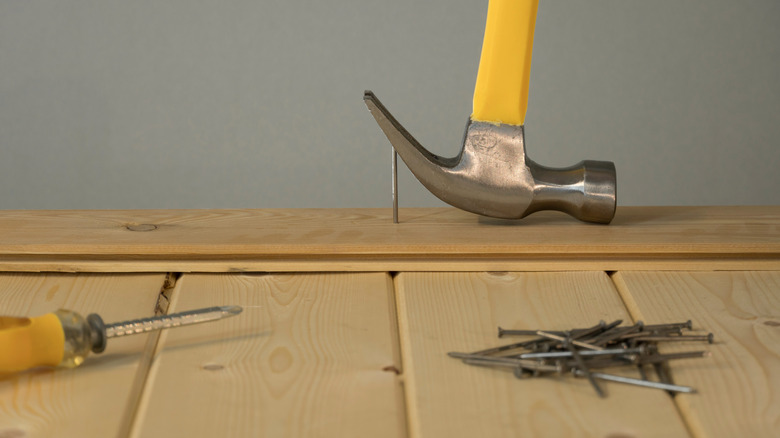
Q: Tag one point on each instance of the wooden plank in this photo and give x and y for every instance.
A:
(411, 264)
(92, 400)
(195, 234)
(739, 387)
(441, 312)
(311, 355)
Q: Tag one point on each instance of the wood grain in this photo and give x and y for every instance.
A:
(423, 264)
(91, 400)
(739, 387)
(441, 312)
(311, 355)
(245, 239)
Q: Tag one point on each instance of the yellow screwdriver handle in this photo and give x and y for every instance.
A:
(501, 92)
(63, 338)
(30, 342)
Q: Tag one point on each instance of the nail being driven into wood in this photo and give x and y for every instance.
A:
(395, 185)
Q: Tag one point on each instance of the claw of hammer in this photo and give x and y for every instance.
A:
(492, 175)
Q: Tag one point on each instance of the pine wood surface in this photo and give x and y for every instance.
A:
(739, 386)
(441, 312)
(428, 239)
(311, 355)
(277, 232)
(424, 264)
(93, 399)
(319, 355)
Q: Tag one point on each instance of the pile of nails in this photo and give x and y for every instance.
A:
(582, 351)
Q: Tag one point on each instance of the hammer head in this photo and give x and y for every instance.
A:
(492, 175)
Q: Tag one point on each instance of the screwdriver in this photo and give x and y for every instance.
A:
(64, 338)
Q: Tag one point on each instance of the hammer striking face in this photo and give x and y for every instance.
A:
(492, 175)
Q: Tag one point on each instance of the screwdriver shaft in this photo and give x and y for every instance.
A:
(143, 325)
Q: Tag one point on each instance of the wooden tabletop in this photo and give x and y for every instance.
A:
(363, 354)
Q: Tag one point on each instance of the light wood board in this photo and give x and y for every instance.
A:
(441, 312)
(739, 386)
(93, 399)
(355, 239)
(311, 355)
(369, 264)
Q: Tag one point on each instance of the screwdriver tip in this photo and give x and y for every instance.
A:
(232, 310)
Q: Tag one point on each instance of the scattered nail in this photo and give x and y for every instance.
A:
(581, 350)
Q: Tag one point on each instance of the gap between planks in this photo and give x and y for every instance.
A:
(741, 379)
(633, 310)
(398, 352)
(164, 301)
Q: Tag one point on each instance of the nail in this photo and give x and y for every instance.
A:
(576, 333)
(606, 361)
(609, 352)
(606, 337)
(663, 375)
(642, 372)
(506, 347)
(513, 363)
(497, 359)
(643, 334)
(563, 339)
(709, 338)
(583, 367)
(591, 331)
(645, 383)
(679, 325)
(522, 373)
(504, 332)
(596, 363)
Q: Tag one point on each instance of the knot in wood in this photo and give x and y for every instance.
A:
(141, 227)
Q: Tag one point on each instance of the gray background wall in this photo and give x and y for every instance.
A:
(190, 104)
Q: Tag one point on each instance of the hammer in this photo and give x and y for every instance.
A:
(492, 175)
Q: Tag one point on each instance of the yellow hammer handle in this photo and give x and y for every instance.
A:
(30, 342)
(501, 93)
